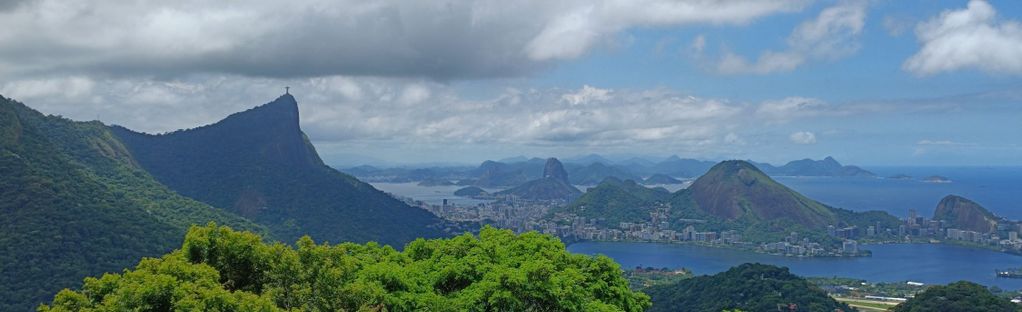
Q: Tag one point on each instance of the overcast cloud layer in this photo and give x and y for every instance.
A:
(389, 77)
(434, 39)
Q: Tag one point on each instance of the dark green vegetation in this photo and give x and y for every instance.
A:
(733, 195)
(957, 297)
(749, 287)
(961, 213)
(470, 191)
(217, 269)
(737, 190)
(554, 185)
(74, 203)
(615, 201)
(260, 165)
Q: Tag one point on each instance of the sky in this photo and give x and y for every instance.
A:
(392, 82)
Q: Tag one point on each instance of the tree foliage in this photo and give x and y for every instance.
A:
(218, 269)
(72, 204)
(957, 297)
(749, 287)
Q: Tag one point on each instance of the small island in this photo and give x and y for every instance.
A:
(937, 179)
(471, 191)
(900, 176)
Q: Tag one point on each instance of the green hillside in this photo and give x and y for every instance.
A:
(747, 287)
(74, 204)
(733, 195)
(218, 269)
(260, 165)
(961, 213)
(617, 201)
(957, 297)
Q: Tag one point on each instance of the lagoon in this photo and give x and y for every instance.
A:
(926, 263)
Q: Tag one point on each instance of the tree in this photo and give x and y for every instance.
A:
(218, 269)
(960, 296)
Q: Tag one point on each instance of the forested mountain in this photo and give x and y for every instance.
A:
(260, 165)
(733, 195)
(748, 287)
(74, 203)
(957, 297)
(736, 189)
(615, 201)
(218, 269)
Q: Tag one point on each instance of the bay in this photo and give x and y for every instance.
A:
(996, 188)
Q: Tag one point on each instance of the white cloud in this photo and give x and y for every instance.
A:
(803, 137)
(699, 44)
(734, 139)
(832, 35)
(969, 38)
(443, 40)
(586, 95)
(792, 108)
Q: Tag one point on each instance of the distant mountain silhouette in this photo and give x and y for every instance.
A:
(808, 167)
(554, 185)
(259, 164)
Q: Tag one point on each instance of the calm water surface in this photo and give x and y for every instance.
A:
(429, 194)
(999, 189)
(927, 263)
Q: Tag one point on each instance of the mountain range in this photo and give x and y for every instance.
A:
(732, 195)
(592, 169)
(83, 198)
(553, 185)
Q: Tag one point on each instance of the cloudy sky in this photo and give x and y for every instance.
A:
(870, 82)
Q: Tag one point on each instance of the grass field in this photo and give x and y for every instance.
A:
(868, 305)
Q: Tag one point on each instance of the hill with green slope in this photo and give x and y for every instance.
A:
(260, 165)
(961, 213)
(736, 195)
(957, 297)
(74, 203)
(733, 195)
(218, 269)
(748, 287)
(617, 201)
(737, 189)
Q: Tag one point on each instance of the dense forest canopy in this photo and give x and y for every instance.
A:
(73, 204)
(749, 287)
(218, 269)
(957, 297)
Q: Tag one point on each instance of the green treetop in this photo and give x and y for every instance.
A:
(218, 269)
